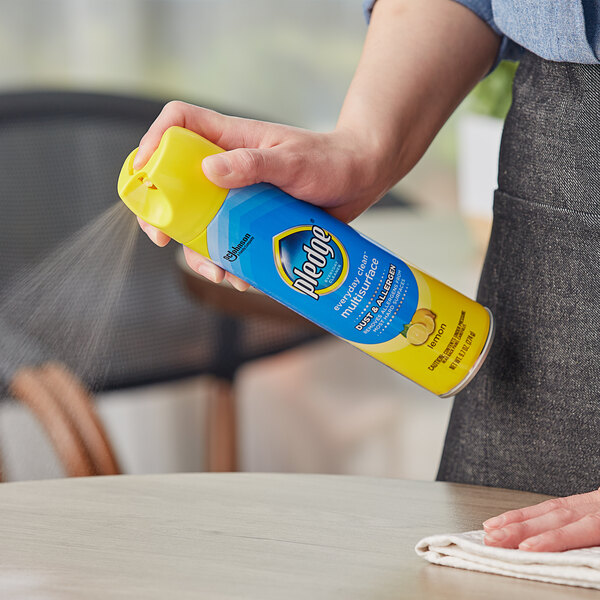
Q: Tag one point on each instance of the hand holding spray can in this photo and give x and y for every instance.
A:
(314, 264)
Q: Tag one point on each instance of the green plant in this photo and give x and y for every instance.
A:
(492, 96)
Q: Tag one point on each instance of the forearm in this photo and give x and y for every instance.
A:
(420, 59)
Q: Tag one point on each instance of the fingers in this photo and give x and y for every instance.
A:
(551, 526)
(197, 119)
(225, 131)
(212, 272)
(239, 284)
(203, 266)
(582, 533)
(522, 514)
(246, 166)
(511, 536)
(196, 261)
(156, 235)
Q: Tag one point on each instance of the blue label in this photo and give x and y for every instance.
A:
(313, 263)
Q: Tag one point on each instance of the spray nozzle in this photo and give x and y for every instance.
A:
(148, 184)
(171, 191)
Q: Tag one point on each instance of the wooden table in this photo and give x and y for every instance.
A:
(245, 536)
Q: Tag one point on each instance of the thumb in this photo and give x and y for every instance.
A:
(244, 166)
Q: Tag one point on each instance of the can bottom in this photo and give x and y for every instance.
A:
(473, 370)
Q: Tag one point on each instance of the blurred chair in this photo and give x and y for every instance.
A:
(65, 409)
(60, 154)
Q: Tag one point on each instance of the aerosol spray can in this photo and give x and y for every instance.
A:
(314, 264)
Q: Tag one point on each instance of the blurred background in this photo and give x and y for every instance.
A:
(315, 406)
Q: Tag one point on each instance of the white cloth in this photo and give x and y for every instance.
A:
(467, 551)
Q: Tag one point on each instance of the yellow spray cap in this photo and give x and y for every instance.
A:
(171, 191)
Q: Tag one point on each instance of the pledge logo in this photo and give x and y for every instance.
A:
(310, 259)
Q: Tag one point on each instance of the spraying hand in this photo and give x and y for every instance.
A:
(326, 169)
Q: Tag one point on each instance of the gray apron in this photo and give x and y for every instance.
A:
(531, 418)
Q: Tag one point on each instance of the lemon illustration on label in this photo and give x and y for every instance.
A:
(421, 326)
(417, 334)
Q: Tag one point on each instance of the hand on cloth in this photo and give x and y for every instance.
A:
(551, 526)
(556, 541)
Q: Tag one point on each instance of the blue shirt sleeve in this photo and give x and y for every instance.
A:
(483, 9)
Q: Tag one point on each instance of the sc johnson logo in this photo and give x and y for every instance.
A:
(310, 260)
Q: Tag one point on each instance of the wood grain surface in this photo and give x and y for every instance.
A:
(245, 536)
